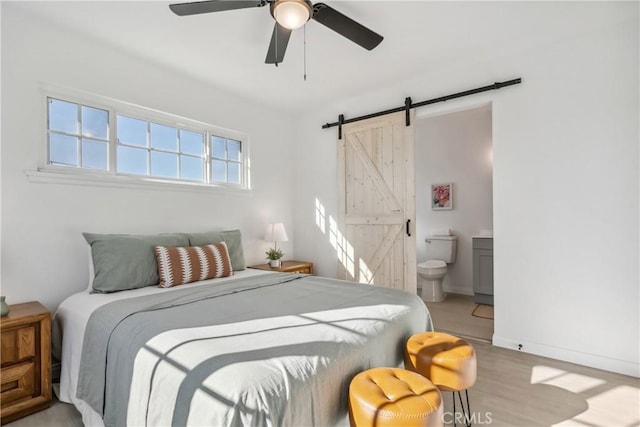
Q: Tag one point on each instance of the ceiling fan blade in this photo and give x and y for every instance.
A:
(345, 26)
(197, 7)
(278, 45)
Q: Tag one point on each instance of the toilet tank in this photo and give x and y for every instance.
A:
(442, 248)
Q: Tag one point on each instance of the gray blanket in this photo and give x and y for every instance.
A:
(117, 332)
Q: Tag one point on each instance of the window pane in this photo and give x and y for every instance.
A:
(164, 137)
(219, 171)
(132, 131)
(218, 147)
(191, 143)
(132, 160)
(192, 168)
(63, 116)
(234, 173)
(95, 122)
(94, 154)
(63, 150)
(164, 164)
(234, 150)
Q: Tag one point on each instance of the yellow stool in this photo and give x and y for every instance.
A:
(391, 397)
(448, 361)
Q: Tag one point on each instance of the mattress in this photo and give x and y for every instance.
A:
(288, 351)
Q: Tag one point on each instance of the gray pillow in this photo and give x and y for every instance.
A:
(233, 239)
(124, 261)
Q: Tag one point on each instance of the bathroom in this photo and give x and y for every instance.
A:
(454, 150)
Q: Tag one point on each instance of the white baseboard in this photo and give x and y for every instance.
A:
(461, 291)
(592, 360)
(448, 290)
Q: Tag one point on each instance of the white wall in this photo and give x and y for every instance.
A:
(456, 148)
(565, 190)
(44, 256)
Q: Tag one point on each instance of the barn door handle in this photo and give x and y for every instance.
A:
(408, 231)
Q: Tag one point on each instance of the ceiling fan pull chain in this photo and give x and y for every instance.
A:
(276, 33)
(305, 52)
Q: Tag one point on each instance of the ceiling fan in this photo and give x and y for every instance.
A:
(289, 15)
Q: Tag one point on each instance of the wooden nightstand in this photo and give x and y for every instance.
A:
(25, 373)
(288, 266)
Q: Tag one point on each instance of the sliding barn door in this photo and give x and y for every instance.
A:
(377, 203)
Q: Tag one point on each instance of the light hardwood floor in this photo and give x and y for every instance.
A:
(453, 315)
(512, 389)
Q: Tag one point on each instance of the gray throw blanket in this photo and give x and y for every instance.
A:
(117, 331)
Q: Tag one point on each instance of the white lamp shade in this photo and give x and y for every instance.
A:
(291, 14)
(275, 233)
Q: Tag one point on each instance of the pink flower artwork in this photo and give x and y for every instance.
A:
(441, 196)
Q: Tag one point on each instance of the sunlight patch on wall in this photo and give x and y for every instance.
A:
(320, 216)
(343, 248)
(366, 275)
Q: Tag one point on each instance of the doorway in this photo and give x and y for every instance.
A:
(456, 148)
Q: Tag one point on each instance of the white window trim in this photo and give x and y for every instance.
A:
(46, 173)
(97, 179)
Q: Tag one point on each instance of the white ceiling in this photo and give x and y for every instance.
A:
(227, 49)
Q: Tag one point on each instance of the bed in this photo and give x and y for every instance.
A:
(255, 348)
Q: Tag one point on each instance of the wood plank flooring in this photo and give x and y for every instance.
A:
(453, 315)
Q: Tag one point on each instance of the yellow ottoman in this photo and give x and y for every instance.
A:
(391, 397)
(448, 361)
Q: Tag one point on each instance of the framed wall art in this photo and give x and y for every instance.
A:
(441, 196)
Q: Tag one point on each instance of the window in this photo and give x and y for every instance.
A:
(226, 160)
(147, 148)
(142, 144)
(78, 135)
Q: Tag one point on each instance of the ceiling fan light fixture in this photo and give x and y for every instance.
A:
(291, 14)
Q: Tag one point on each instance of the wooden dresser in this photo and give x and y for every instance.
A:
(303, 267)
(25, 373)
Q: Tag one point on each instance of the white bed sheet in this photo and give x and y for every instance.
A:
(72, 317)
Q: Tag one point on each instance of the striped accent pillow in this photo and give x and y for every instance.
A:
(180, 265)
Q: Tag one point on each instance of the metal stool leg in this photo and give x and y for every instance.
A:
(466, 392)
(453, 394)
(465, 412)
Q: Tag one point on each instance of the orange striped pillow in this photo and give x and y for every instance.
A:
(180, 265)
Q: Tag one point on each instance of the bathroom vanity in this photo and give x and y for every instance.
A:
(482, 269)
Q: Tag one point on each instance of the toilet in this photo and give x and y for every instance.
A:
(441, 250)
